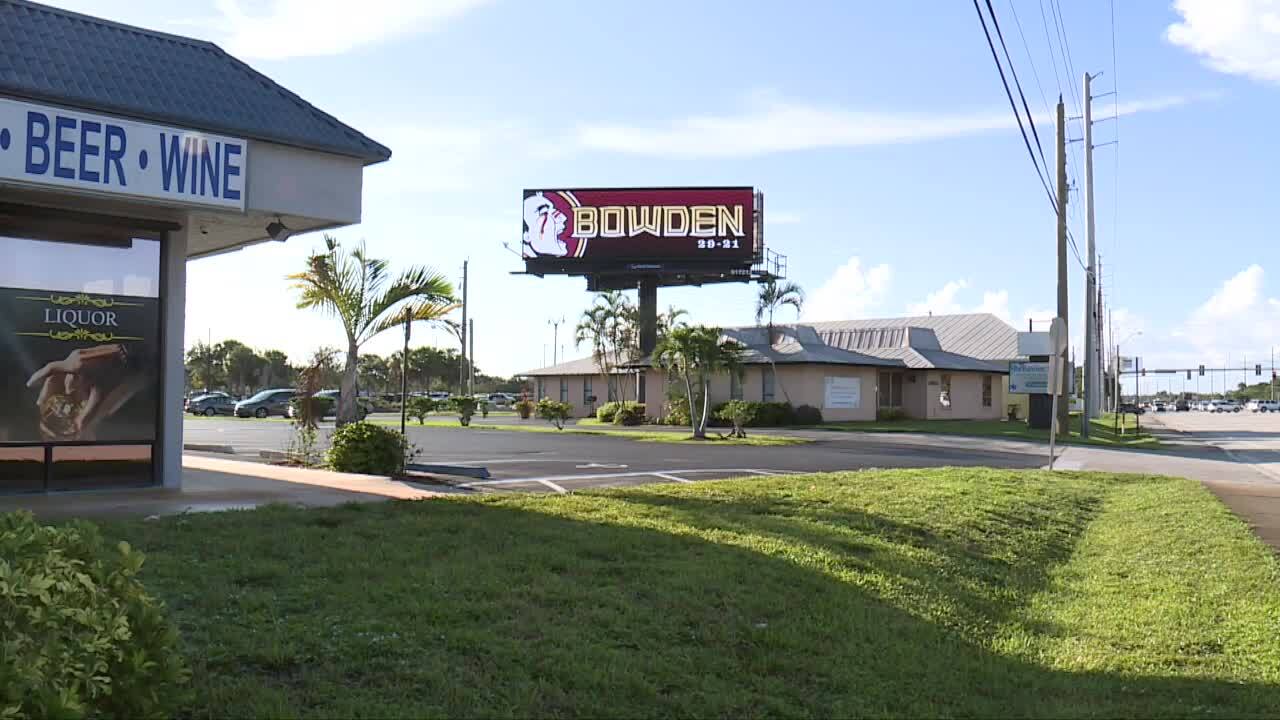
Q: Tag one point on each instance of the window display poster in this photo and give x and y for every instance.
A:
(78, 367)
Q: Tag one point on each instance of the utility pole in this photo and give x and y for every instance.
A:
(471, 367)
(404, 374)
(462, 333)
(1063, 311)
(1090, 292)
(555, 338)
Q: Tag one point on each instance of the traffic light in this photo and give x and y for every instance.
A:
(1144, 372)
(1201, 371)
(1188, 374)
(1257, 370)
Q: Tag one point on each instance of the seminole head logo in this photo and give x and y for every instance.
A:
(546, 226)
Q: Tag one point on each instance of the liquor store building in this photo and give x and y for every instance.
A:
(124, 154)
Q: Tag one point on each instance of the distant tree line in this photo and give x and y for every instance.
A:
(238, 369)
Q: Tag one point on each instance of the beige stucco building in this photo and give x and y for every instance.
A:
(930, 367)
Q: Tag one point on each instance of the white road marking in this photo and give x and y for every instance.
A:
(602, 476)
(669, 476)
(553, 486)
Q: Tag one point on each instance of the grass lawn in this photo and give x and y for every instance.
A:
(886, 593)
(657, 436)
(1103, 430)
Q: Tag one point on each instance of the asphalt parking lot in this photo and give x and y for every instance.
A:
(554, 462)
(1246, 436)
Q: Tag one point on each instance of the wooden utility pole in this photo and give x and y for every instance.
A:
(1064, 404)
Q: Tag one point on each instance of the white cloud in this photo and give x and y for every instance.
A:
(996, 303)
(431, 157)
(851, 292)
(281, 29)
(770, 125)
(941, 301)
(782, 218)
(1237, 320)
(1240, 37)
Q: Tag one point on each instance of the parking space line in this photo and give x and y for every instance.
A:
(669, 476)
(553, 486)
(604, 476)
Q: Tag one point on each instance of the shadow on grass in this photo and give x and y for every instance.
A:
(619, 605)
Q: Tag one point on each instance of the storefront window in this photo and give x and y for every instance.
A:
(564, 389)
(890, 390)
(766, 384)
(986, 391)
(735, 386)
(586, 390)
(944, 395)
(79, 362)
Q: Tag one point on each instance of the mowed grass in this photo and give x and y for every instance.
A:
(1104, 430)
(884, 593)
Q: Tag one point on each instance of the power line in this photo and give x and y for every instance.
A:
(1014, 106)
(1115, 119)
(995, 22)
(1027, 48)
(1045, 21)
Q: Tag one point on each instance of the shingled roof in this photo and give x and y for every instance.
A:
(61, 57)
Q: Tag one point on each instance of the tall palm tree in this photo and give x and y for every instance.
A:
(359, 291)
(772, 296)
(696, 354)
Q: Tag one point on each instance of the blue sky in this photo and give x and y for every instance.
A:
(895, 179)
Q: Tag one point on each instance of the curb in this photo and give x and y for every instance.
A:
(198, 447)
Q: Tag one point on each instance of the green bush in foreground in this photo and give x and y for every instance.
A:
(524, 408)
(79, 636)
(365, 448)
(606, 412)
(629, 413)
(420, 408)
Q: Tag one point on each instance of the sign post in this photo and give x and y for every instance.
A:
(1058, 340)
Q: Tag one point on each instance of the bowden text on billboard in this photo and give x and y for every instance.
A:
(650, 225)
(76, 367)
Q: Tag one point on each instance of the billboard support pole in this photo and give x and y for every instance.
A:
(648, 315)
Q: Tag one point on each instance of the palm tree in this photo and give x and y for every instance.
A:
(772, 296)
(205, 363)
(359, 291)
(696, 354)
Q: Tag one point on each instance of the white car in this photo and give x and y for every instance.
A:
(1263, 406)
(1222, 406)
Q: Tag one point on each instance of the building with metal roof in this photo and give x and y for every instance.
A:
(943, 366)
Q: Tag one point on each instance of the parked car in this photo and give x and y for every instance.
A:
(327, 405)
(266, 404)
(1132, 409)
(186, 404)
(211, 404)
(1263, 406)
(1222, 406)
(1181, 406)
(438, 395)
(501, 399)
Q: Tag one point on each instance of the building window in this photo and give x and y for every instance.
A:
(944, 394)
(640, 391)
(613, 388)
(766, 384)
(735, 386)
(986, 391)
(564, 389)
(890, 389)
(586, 390)
(542, 389)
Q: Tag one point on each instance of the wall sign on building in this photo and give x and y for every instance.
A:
(842, 393)
(47, 146)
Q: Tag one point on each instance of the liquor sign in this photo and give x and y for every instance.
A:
(48, 146)
(568, 228)
(76, 367)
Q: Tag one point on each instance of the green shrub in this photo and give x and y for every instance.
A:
(677, 412)
(363, 447)
(554, 411)
(420, 408)
(891, 414)
(808, 415)
(524, 408)
(738, 412)
(79, 636)
(606, 412)
(629, 413)
(465, 407)
(757, 414)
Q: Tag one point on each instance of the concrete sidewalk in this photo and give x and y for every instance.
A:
(211, 484)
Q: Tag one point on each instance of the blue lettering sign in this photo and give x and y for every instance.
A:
(173, 164)
(229, 171)
(88, 149)
(37, 142)
(116, 144)
(62, 145)
(209, 167)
